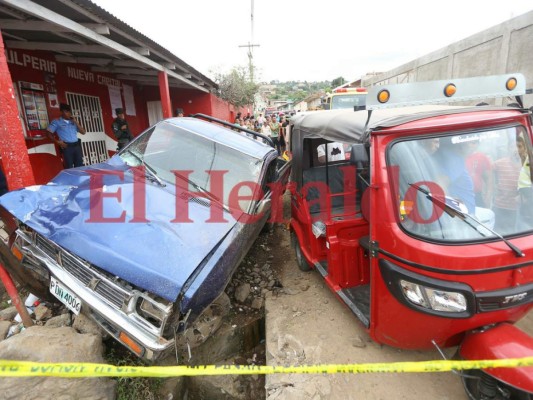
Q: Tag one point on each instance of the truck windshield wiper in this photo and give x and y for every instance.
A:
(210, 195)
(453, 212)
(152, 171)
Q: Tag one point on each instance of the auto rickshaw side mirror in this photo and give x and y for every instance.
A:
(358, 155)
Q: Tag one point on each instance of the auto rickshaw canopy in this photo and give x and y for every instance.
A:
(348, 126)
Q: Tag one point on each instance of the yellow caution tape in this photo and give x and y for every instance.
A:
(83, 370)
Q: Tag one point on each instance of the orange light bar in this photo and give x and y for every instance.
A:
(511, 83)
(131, 344)
(383, 96)
(341, 90)
(360, 89)
(449, 90)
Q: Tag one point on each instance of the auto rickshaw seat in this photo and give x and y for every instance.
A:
(335, 180)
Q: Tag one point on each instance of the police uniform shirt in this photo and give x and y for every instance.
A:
(65, 129)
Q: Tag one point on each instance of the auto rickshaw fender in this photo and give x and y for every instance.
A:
(502, 341)
(297, 231)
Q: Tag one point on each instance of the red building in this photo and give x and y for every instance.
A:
(73, 51)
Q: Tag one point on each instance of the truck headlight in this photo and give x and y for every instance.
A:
(151, 309)
(438, 300)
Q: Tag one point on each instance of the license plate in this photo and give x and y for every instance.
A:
(64, 294)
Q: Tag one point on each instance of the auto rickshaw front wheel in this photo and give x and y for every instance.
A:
(481, 386)
(300, 259)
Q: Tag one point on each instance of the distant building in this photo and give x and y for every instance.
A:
(358, 82)
(311, 102)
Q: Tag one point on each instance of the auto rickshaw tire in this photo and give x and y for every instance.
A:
(474, 379)
(300, 259)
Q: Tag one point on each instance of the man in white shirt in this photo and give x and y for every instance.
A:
(260, 120)
(335, 152)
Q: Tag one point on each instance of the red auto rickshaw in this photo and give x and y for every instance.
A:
(425, 230)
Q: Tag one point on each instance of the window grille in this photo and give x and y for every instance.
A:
(88, 111)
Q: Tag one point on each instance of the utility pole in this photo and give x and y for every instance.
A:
(251, 46)
(250, 59)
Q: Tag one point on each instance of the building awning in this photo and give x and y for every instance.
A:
(79, 31)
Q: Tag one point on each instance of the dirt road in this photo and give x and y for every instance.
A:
(306, 324)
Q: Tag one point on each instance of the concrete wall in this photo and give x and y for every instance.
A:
(504, 48)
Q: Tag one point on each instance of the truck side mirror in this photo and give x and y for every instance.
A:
(358, 155)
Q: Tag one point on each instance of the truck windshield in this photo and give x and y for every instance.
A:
(167, 148)
(348, 101)
(484, 174)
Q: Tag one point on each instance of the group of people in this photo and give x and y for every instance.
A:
(503, 185)
(63, 131)
(273, 126)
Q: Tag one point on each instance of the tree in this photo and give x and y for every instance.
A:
(235, 86)
(337, 81)
(299, 96)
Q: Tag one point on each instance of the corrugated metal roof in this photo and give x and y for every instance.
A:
(54, 26)
(111, 19)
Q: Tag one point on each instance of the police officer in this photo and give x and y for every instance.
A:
(67, 128)
(120, 129)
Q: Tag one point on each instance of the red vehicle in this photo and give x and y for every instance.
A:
(426, 230)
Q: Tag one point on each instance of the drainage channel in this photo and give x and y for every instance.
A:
(240, 337)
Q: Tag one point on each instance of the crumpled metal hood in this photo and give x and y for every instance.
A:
(158, 256)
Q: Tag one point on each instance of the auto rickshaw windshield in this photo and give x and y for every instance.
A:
(464, 187)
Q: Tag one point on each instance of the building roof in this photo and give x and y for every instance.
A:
(79, 31)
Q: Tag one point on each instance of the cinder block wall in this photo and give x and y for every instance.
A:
(504, 48)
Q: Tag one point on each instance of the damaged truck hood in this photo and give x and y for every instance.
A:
(157, 255)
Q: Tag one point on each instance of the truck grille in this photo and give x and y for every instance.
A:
(71, 265)
(87, 274)
(45, 246)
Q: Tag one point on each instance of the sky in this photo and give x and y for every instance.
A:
(309, 40)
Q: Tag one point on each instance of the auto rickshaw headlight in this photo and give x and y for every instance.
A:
(435, 299)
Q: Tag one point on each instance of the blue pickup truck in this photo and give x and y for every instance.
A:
(146, 242)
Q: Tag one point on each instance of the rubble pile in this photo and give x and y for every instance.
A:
(254, 278)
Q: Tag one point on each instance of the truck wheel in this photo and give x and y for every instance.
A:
(300, 259)
(206, 324)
